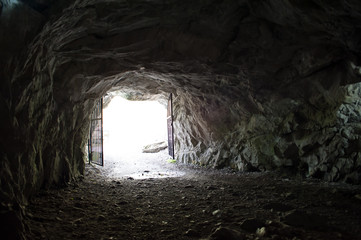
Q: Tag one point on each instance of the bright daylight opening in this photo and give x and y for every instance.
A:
(128, 127)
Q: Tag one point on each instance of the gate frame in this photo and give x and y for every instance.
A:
(90, 152)
(170, 126)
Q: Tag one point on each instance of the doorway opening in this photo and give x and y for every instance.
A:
(135, 139)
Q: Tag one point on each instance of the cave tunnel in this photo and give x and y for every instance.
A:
(266, 114)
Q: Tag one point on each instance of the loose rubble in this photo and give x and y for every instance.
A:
(212, 204)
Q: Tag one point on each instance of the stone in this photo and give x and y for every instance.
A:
(260, 232)
(216, 212)
(155, 147)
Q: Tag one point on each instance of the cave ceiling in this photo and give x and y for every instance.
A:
(203, 47)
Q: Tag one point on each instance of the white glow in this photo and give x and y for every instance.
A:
(7, 6)
(10, 2)
(130, 125)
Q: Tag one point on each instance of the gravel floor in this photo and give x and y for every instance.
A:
(130, 200)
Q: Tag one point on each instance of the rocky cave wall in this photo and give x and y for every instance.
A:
(319, 139)
(258, 85)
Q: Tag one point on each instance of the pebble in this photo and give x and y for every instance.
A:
(261, 231)
(216, 212)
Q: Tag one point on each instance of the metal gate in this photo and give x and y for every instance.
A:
(95, 143)
(170, 126)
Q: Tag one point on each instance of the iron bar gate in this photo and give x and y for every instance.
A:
(170, 126)
(95, 143)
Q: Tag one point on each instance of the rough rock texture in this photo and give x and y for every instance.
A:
(258, 85)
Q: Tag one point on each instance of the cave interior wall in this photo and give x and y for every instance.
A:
(258, 85)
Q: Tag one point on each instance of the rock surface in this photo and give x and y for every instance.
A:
(258, 85)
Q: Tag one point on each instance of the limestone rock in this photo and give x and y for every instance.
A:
(155, 147)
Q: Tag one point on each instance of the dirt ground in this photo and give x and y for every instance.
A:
(172, 201)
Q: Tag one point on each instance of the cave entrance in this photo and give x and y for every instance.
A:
(136, 138)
